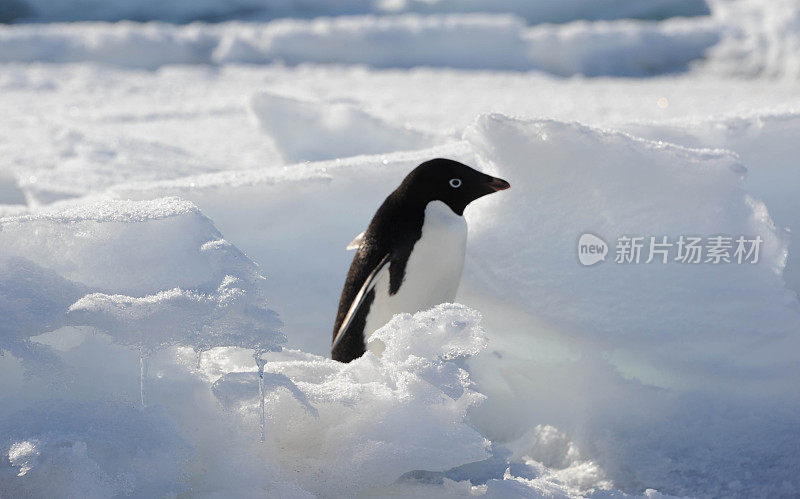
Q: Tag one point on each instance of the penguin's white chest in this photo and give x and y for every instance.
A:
(432, 273)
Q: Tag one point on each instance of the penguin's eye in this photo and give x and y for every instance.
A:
(455, 183)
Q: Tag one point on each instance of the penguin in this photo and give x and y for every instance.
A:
(411, 256)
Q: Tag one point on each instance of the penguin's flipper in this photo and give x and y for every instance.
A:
(356, 242)
(380, 270)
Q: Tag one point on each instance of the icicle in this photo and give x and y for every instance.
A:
(200, 347)
(142, 373)
(261, 392)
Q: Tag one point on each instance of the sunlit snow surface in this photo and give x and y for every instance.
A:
(175, 202)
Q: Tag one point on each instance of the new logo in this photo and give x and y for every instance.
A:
(591, 249)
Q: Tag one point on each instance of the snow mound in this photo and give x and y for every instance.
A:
(339, 129)
(466, 41)
(761, 38)
(620, 48)
(123, 44)
(472, 41)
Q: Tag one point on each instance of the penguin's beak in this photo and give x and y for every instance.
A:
(498, 184)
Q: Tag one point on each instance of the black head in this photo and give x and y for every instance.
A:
(451, 182)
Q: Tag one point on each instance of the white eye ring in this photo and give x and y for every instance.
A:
(455, 183)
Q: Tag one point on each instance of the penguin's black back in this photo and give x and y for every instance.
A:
(394, 229)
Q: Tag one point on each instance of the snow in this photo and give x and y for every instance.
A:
(175, 206)
(692, 334)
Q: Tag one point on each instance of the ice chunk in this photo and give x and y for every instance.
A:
(640, 357)
(229, 317)
(172, 317)
(310, 131)
(150, 274)
(447, 332)
(199, 290)
(32, 299)
(765, 142)
(233, 388)
(105, 244)
(569, 179)
(364, 431)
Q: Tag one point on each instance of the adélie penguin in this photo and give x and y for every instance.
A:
(411, 256)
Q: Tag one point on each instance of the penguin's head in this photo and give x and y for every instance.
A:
(451, 182)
